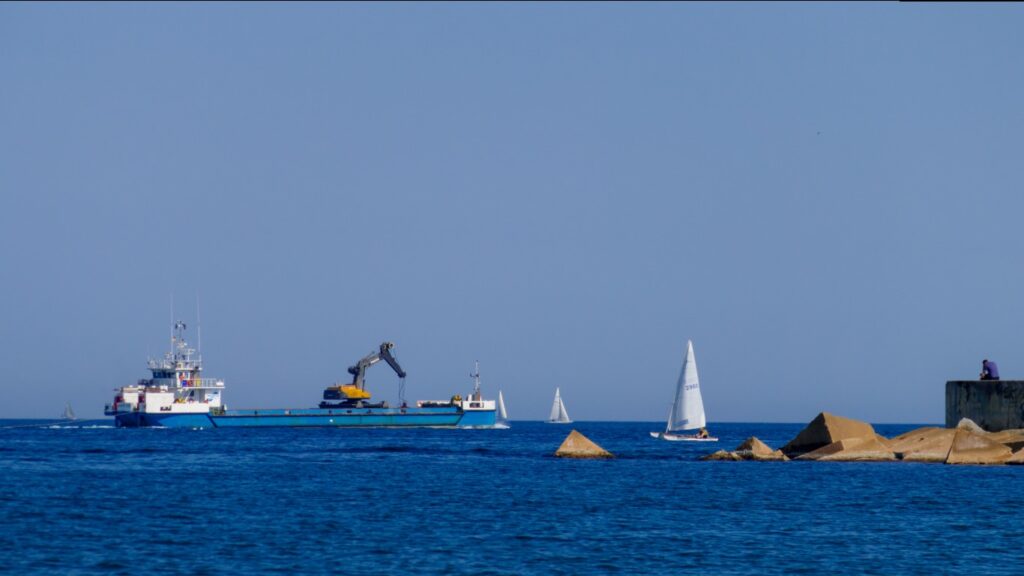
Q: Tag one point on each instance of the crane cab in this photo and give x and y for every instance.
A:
(348, 396)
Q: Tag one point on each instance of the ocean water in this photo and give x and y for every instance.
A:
(99, 500)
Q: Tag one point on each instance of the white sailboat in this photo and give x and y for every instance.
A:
(68, 413)
(558, 413)
(688, 407)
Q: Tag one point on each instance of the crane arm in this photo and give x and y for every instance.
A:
(384, 353)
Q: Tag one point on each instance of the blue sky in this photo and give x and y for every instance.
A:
(825, 198)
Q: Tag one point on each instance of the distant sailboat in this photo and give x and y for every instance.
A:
(688, 407)
(68, 413)
(558, 413)
(502, 414)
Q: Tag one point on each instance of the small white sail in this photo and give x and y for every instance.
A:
(688, 407)
(558, 413)
(502, 414)
(554, 407)
(68, 414)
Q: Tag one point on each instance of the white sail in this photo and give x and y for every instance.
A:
(502, 414)
(68, 414)
(688, 407)
(555, 407)
(558, 413)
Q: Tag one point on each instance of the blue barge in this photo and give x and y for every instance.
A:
(445, 417)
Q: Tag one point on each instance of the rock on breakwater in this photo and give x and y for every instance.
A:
(826, 429)
(750, 449)
(837, 439)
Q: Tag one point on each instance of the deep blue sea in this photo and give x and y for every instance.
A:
(99, 500)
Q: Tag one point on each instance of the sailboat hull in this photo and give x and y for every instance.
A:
(680, 437)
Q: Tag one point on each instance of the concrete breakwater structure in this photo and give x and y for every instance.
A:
(831, 438)
(995, 405)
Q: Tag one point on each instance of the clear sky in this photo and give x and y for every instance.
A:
(826, 198)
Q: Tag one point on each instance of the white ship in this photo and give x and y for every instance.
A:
(177, 390)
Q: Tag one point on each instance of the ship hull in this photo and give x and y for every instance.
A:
(443, 417)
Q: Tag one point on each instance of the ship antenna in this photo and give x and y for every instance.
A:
(476, 378)
(172, 323)
(199, 329)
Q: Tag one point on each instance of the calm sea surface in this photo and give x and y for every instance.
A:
(81, 500)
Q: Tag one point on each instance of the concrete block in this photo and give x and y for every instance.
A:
(994, 405)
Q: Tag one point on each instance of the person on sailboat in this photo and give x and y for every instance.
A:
(703, 433)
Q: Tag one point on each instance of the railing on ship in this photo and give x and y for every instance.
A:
(165, 364)
(203, 383)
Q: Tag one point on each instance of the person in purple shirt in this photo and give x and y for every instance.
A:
(989, 370)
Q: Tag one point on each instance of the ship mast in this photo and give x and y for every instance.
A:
(475, 375)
